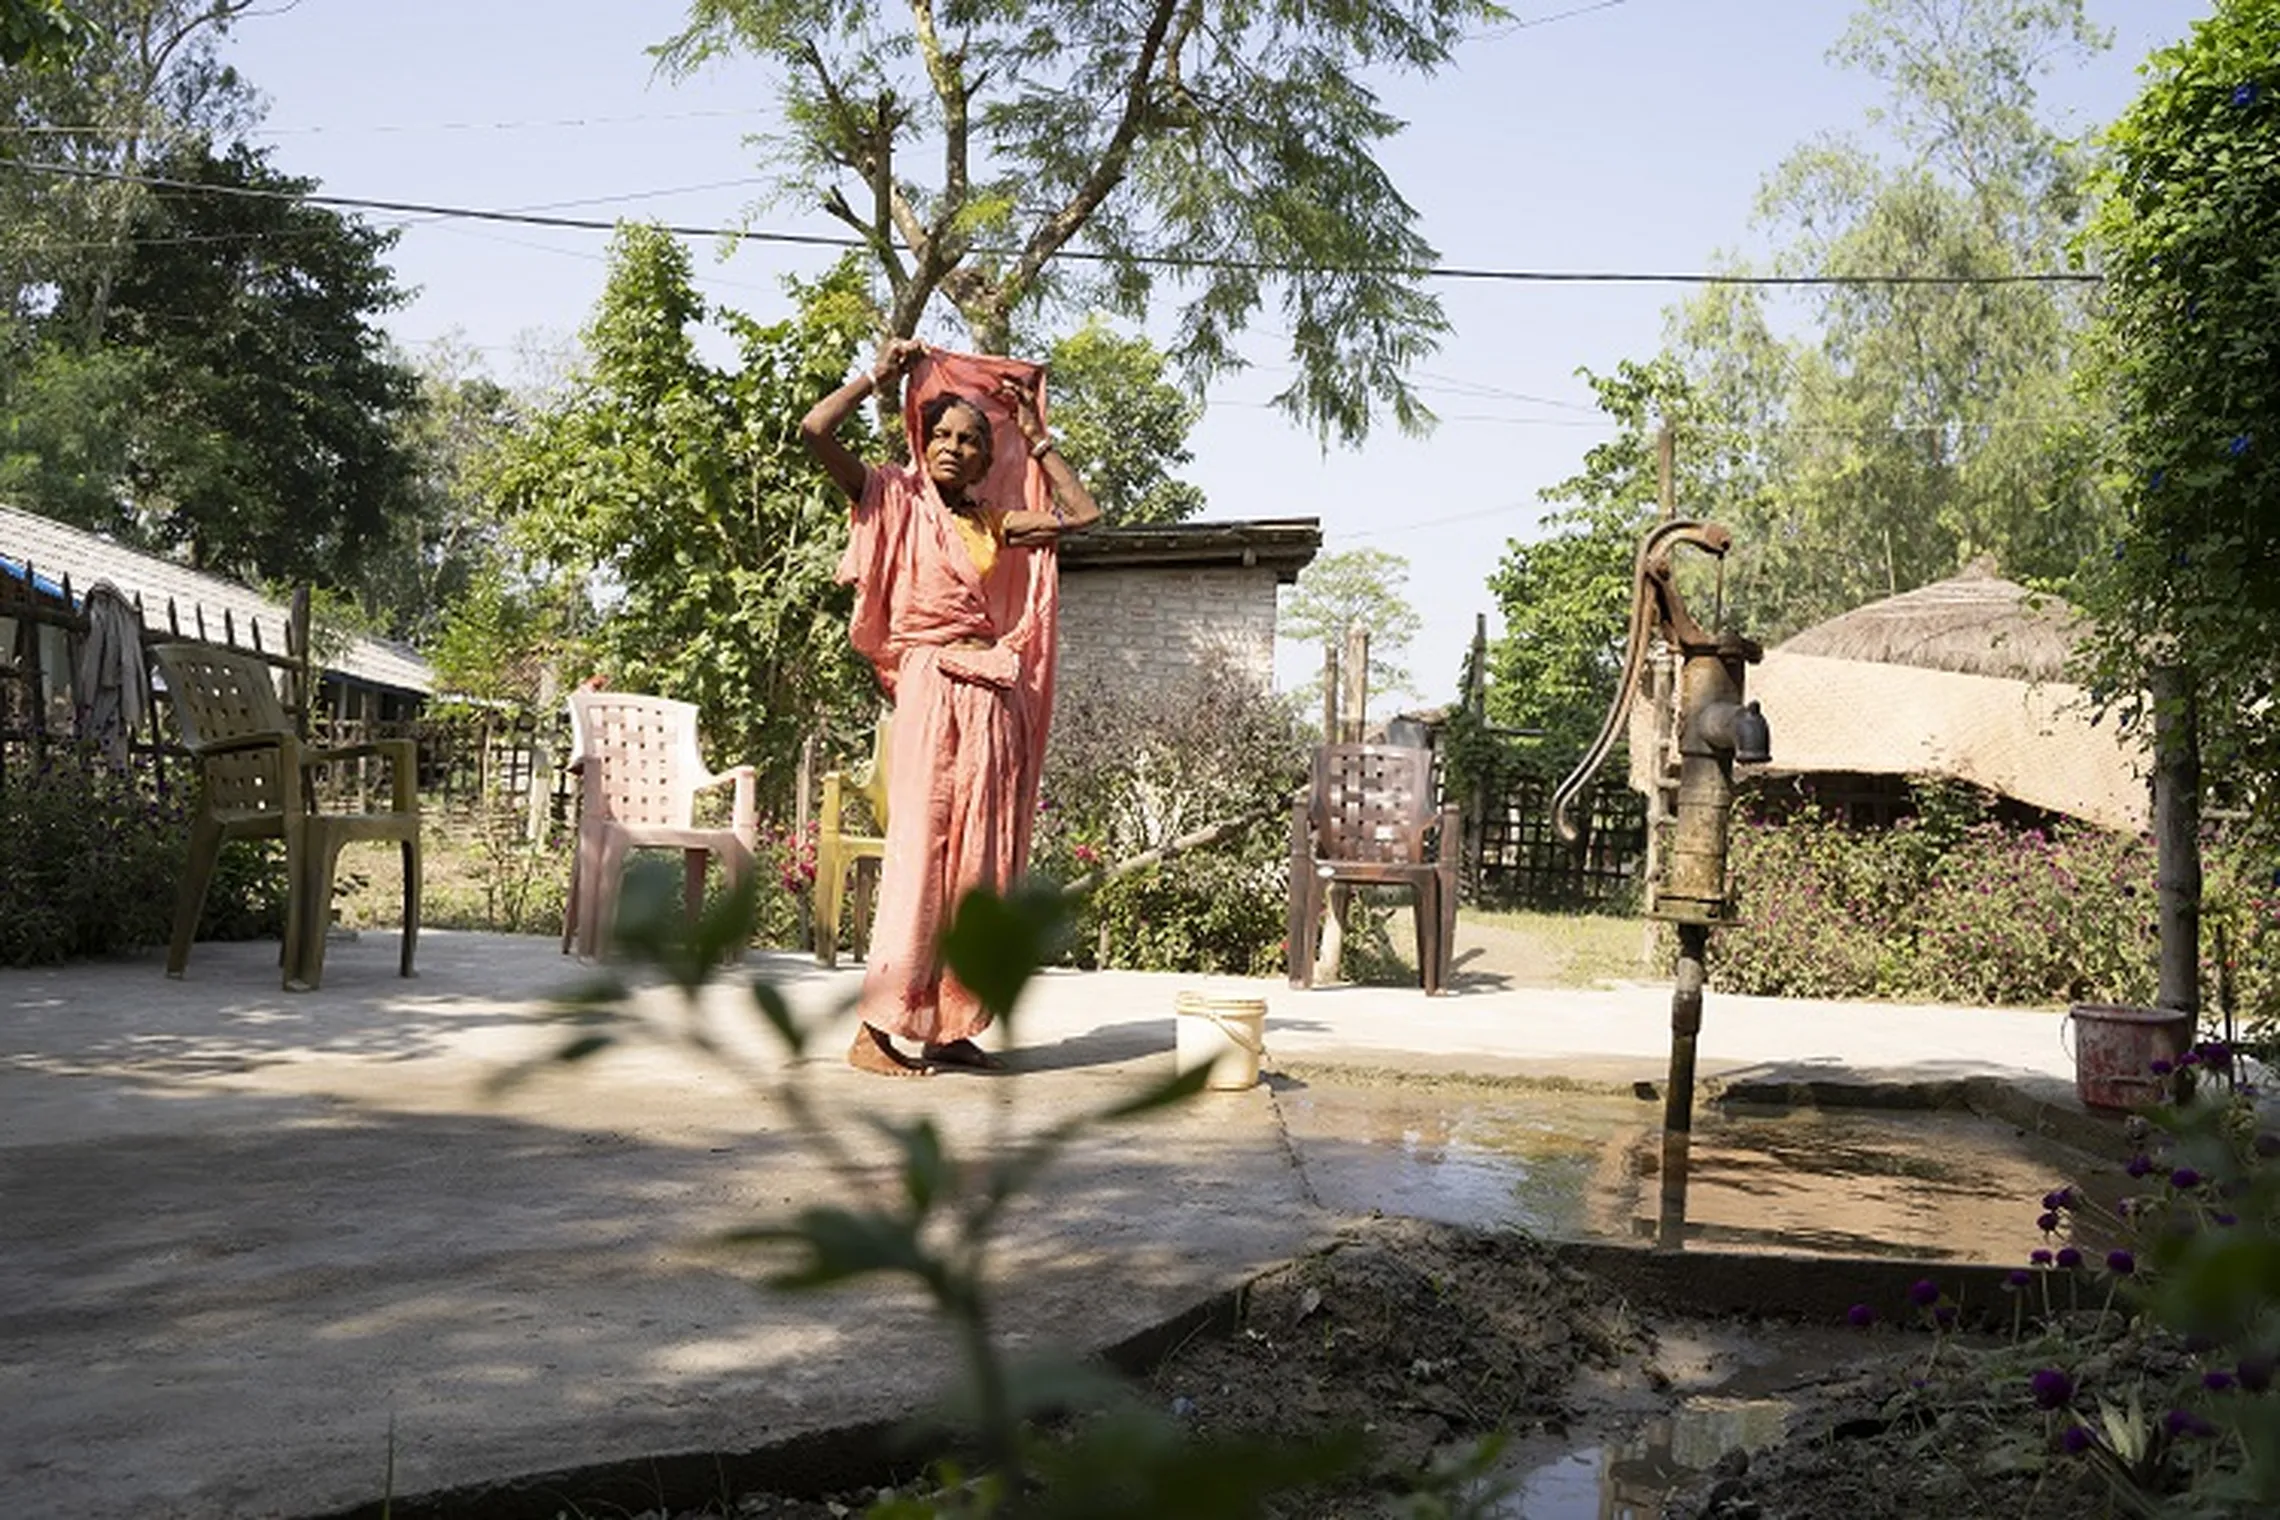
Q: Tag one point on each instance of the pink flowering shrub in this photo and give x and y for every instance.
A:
(1947, 906)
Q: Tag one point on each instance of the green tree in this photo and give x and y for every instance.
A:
(2188, 233)
(679, 491)
(1919, 424)
(142, 82)
(262, 438)
(1357, 588)
(39, 34)
(1123, 425)
(447, 537)
(1565, 597)
(1230, 149)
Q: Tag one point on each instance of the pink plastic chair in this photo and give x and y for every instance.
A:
(639, 773)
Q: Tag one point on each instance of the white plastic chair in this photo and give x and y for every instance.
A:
(640, 772)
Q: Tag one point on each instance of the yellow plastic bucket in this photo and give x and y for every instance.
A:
(1227, 1034)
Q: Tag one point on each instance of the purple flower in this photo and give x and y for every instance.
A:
(2220, 1217)
(2061, 1198)
(2244, 94)
(1925, 1293)
(2184, 1178)
(2039, 1258)
(2077, 1440)
(2120, 1263)
(2239, 445)
(2161, 1068)
(2069, 1258)
(1861, 1316)
(2153, 481)
(2017, 1278)
(2052, 1388)
(2183, 1423)
(2217, 1380)
(2046, 1223)
(2140, 1165)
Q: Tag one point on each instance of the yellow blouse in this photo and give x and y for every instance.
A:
(982, 535)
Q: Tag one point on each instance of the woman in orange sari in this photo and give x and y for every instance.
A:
(956, 607)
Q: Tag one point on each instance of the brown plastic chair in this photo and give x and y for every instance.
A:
(838, 852)
(1367, 819)
(256, 780)
(639, 773)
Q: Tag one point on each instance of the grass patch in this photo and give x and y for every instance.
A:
(1577, 949)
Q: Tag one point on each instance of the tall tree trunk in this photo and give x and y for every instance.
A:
(2177, 835)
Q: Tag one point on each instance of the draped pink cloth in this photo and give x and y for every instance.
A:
(969, 731)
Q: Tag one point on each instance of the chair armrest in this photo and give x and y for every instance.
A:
(402, 756)
(744, 816)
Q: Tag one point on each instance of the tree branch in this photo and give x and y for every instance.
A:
(1055, 231)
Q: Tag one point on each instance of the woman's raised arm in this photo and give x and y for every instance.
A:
(819, 429)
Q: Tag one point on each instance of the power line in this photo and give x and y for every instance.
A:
(1160, 261)
(1525, 23)
(43, 129)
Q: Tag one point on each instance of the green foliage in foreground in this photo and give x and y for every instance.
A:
(2144, 1334)
(1048, 1438)
(2189, 354)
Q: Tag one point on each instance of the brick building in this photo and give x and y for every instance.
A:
(1143, 604)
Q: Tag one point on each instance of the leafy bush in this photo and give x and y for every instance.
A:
(1206, 913)
(1947, 906)
(95, 857)
(1129, 771)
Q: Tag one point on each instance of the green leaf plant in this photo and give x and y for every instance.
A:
(1047, 1438)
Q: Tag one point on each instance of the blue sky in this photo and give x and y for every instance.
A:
(1625, 135)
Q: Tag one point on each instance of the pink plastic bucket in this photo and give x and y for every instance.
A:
(2115, 1048)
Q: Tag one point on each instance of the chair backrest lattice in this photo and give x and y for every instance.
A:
(869, 780)
(217, 694)
(1372, 802)
(642, 763)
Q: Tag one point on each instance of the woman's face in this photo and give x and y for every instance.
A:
(958, 448)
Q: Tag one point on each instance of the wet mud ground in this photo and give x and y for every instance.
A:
(1447, 1312)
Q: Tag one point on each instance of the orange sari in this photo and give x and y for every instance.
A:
(970, 724)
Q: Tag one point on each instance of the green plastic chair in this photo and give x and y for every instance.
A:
(256, 781)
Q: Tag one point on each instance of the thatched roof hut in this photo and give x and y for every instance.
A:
(1962, 679)
(1975, 624)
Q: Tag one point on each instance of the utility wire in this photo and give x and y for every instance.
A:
(1160, 261)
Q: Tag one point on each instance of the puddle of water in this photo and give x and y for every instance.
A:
(1923, 1184)
(1632, 1478)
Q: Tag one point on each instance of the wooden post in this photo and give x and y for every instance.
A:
(804, 786)
(539, 806)
(2176, 836)
(1329, 692)
(1475, 820)
(1355, 697)
(1666, 468)
(297, 649)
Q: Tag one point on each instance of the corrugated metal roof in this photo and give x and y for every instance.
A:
(56, 551)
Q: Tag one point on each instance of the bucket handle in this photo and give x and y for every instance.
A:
(1238, 1035)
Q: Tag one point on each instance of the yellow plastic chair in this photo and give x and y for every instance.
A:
(256, 780)
(838, 851)
(639, 773)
